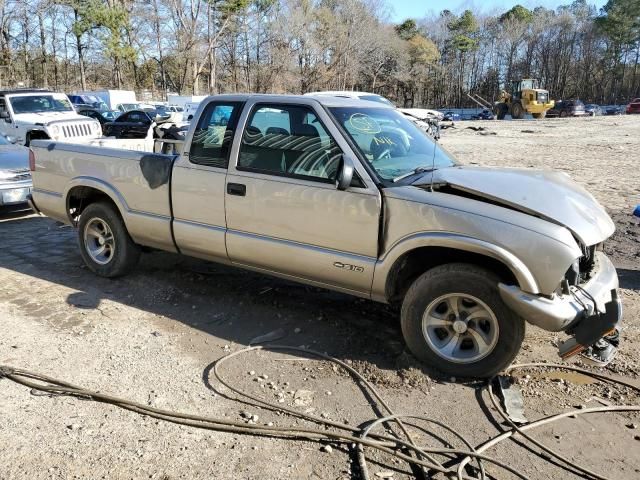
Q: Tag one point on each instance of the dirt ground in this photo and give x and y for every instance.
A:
(152, 337)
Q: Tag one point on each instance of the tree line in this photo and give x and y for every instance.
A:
(297, 46)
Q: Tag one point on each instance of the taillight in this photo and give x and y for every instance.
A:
(32, 161)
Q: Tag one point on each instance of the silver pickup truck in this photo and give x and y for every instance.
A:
(350, 195)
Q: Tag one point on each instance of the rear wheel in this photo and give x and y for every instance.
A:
(517, 112)
(563, 114)
(105, 244)
(454, 319)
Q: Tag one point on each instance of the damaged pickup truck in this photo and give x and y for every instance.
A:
(352, 196)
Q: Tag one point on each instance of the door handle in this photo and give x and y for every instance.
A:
(236, 189)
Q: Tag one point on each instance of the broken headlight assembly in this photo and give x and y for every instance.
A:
(582, 268)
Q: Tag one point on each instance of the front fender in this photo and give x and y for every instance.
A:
(523, 275)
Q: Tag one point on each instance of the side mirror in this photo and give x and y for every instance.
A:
(345, 173)
(4, 115)
(11, 139)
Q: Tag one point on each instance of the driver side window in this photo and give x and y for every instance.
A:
(289, 141)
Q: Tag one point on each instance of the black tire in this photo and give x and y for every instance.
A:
(517, 112)
(500, 111)
(464, 279)
(563, 114)
(124, 254)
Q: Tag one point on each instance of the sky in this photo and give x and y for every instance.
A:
(403, 9)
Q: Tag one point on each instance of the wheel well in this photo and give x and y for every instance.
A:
(37, 135)
(415, 262)
(80, 198)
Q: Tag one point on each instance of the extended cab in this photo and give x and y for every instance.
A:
(352, 196)
(27, 115)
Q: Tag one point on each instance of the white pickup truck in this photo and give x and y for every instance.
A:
(352, 196)
(27, 115)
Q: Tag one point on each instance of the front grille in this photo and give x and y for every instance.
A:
(76, 130)
(19, 175)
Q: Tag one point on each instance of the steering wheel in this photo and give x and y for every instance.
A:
(384, 154)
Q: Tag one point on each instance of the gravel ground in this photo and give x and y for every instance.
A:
(152, 336)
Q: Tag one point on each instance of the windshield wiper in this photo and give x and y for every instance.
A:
(415, 171)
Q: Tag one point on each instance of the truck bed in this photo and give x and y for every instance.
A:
(137, 182)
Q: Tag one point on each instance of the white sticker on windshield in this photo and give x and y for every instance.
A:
(364, 123)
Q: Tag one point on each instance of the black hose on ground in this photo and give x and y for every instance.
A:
(405, 450)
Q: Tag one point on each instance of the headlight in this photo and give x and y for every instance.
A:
(54, 130)
(96, 127)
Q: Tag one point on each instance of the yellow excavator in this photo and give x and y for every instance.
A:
(525, 96)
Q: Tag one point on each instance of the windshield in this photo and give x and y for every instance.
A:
(110, 114)
(40, 103)
(393, 145)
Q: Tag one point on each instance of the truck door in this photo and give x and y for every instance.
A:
(284, 212)
(198, 183)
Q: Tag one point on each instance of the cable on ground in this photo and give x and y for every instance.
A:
(394, 445)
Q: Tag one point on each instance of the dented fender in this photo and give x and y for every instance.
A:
(455, 241)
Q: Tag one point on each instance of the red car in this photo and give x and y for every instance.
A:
(634, 106)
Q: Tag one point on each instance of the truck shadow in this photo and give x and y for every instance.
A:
(231, 304)
(629, 278)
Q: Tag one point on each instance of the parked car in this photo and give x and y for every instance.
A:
(128, 107)
(567, 108)
(84, 101)
(15, 176)
(102, 116)
(352, 196)
(30, 114)
(593, 109)
(172, 108)
(428, 120)
(634, 106)
(370, 97)
(451, 117)
(115, 98)
(133, 124)
(615, 110)
(483, 115)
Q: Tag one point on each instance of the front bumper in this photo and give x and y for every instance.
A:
(559, 312)
(14, 193)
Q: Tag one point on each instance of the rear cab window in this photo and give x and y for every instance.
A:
(212, 138)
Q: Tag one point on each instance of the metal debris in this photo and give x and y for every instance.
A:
(269, 337)
(512, 400)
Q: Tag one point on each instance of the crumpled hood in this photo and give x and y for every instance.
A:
(47, 117)
(546, 194)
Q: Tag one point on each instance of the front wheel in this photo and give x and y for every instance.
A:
(105, 244)
(517, 112)
(454, 319)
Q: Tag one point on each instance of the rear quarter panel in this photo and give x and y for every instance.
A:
(62, 166)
